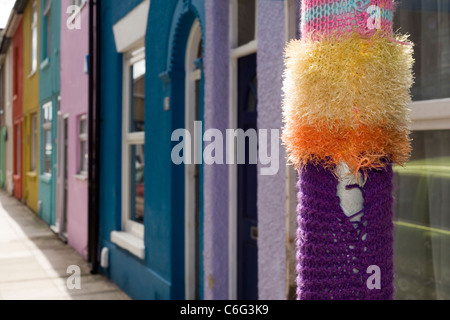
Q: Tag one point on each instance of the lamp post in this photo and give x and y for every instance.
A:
(346, 91)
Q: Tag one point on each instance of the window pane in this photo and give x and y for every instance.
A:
(252, 99)
(33, 142)
(137, 183)
(83, 164)
(16, 71)
(47, 113)
(83, 156)
(49, 35)
(47, 151)
(137, 103)
(48, 4)
(83, 126)
(428, 23)
(34, 49)
(18, 148)
(47, 137)
(246, 21)
(34, 14)
(422, 233)
(200, 50)
(34, 39)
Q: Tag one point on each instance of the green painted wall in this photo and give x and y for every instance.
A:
(49, 87)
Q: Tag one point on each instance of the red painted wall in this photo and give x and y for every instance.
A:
(17, 43)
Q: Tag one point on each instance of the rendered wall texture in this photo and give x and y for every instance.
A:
(271, 188)
(216, 64)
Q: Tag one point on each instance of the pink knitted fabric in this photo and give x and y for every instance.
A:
(324, 17)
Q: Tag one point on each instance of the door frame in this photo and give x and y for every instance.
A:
(236, 52)
(192, 245)
(61, 218)
(64, 163)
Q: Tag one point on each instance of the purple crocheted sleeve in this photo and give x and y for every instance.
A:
(334, 251)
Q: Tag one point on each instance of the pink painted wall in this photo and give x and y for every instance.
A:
(74, 101)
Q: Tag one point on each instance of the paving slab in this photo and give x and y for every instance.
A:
(34, 261)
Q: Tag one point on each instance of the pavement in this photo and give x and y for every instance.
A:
(34, 261)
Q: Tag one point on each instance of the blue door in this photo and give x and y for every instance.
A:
(247, 184)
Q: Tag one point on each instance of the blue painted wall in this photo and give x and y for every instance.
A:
(161, 275)
(49, 88)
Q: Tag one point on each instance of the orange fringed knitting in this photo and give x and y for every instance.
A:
(346, 100)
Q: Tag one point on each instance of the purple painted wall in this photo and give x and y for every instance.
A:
(74, 101)
(271, 189)
(272, 261)
(215, 228)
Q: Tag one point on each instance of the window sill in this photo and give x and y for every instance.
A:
(32, 175)
(81, 177)
(55, 228)
(45, 178)
(32, 73)
(44, 64)
(129, 242)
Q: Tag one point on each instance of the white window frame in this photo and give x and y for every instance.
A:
(82, 137)
(46, 127)
(431, 114)
(236, 52)
(129, 139)
(34, 46)
(47, 32)
(34, 142)
(78, 3)
(129, 34)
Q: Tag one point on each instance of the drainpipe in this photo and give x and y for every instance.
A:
(346, 91)
(94, 134)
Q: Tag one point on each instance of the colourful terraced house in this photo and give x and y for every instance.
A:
(31, 104)
(17, 52)
(185, 231)
(192, 232)
(11, 58)
(142, 208)
(72, 136)
(49, 102)
(6, 106)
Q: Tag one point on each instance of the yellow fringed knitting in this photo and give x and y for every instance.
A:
(354, 86)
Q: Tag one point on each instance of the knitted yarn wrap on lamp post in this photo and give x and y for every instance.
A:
(346, 90)
(335, 252)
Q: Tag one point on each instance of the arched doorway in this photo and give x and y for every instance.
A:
(194, 170)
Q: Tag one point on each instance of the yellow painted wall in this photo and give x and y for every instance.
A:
(30, 107)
